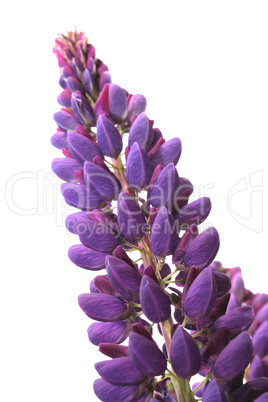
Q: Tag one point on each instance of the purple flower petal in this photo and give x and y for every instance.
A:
(262, 398)
(169, 152)
(102, 103)
(82, 148)
(64, 168)
(64, 99)
(260, 340)
(131, 219)
(184, 243)
(213, 348)
(223, 283)
(234, 358)
(236, 320)
(101, 307)
(59, 139)
(214, 393)
(201, 296)
(123, 277)
(114, 393)
(195, 212)
(202, 249)
(70, 221)
(105, 78)
(74, 84)
(165, 187)
(141, 131)
(257, 368)
(155, 303)
(87, 258)
(184, 354)
(112, 332)
(101, 181)
(109, 138)
(79, 196)
(113, 350)
(138, 168)
(117, 103)
(65, 120)
(136, 106)
(164, 236)
(82, 109)
(103, 284)
(146, 355)
(96, 235)
(119, 371)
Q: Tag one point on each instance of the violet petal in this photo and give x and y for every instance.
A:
(138, 168)
(101, 307)
(164, 236)
(155, 303)
(119, 371)
(87, 258)
(112, 332)
(214, 393)
(169, 152)
(82, 148)
(109, 139)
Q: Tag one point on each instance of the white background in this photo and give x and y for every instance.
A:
(202, 66)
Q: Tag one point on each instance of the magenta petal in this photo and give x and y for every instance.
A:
(184, 354)
(119, 371)
(201, 296)
(82, 148)
(87, 258)
(155, 303)
(65, 168)
(146, 355)
(138, 168)
(109, 138)
(114, 393)
(234, 358)
(164, 236)
(214, 393)
(112, 332)
(169, 152)
(123, 278)
(203, 249)
(236, 320)
(101, 307)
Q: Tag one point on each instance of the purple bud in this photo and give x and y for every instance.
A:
(113, 350)
(131, 219)
(100, 181)
(138, 168)
(251, 390)
(65, 168)
(195, 212)
(146, 355)
(234, 358)
(82, 109)
(70, 221)
(260, 340)
(64, 99)
(169, 152)
(136, 106)
(74, 84)
(90, 83)
(105, 78)
(201, 296)
(79, 196)
(119, 371)
(117, 103)
(96, 235)
(82, 148)
(109, 392)
(223, 283)
(257, 368)
(189, 235)
(155, 303)
(164, 236)
(112, 332)
(65, 120)
(101, 307)
(87, 258)
(123, 277)
(102, 103)
(202, 249)
(214, 393)
(184, 354)
(236, 320)
(103, 285)
(164, 189)
(59, 139)
(109, 138)
(141, 131)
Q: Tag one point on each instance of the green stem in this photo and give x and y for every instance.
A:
(184, 322)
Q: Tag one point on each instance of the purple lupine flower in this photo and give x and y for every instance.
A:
(79, 196)
(82, 148)
(169, 152)
(109, 139)
(65, 120)
(146, 355)
(234, 358)
(141, 131)
(260, 340)
(106, 391)
(164, 236)
(138, 168)
(189, 235)
(65, 168)
(113, 350)
(112, 332)
(101, 181)
(136, 105)
(184, 354)
(165, 187)
(237, 320)
(258, 368)
(155, 303)
(119, 371)
(201, 296)
(214, 393)
(86, 257)
(112, 101)
(195, 212)
(251, 390)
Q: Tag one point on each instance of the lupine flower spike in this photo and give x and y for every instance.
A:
(123, 179)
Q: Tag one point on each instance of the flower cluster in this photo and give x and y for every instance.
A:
(121, 174)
